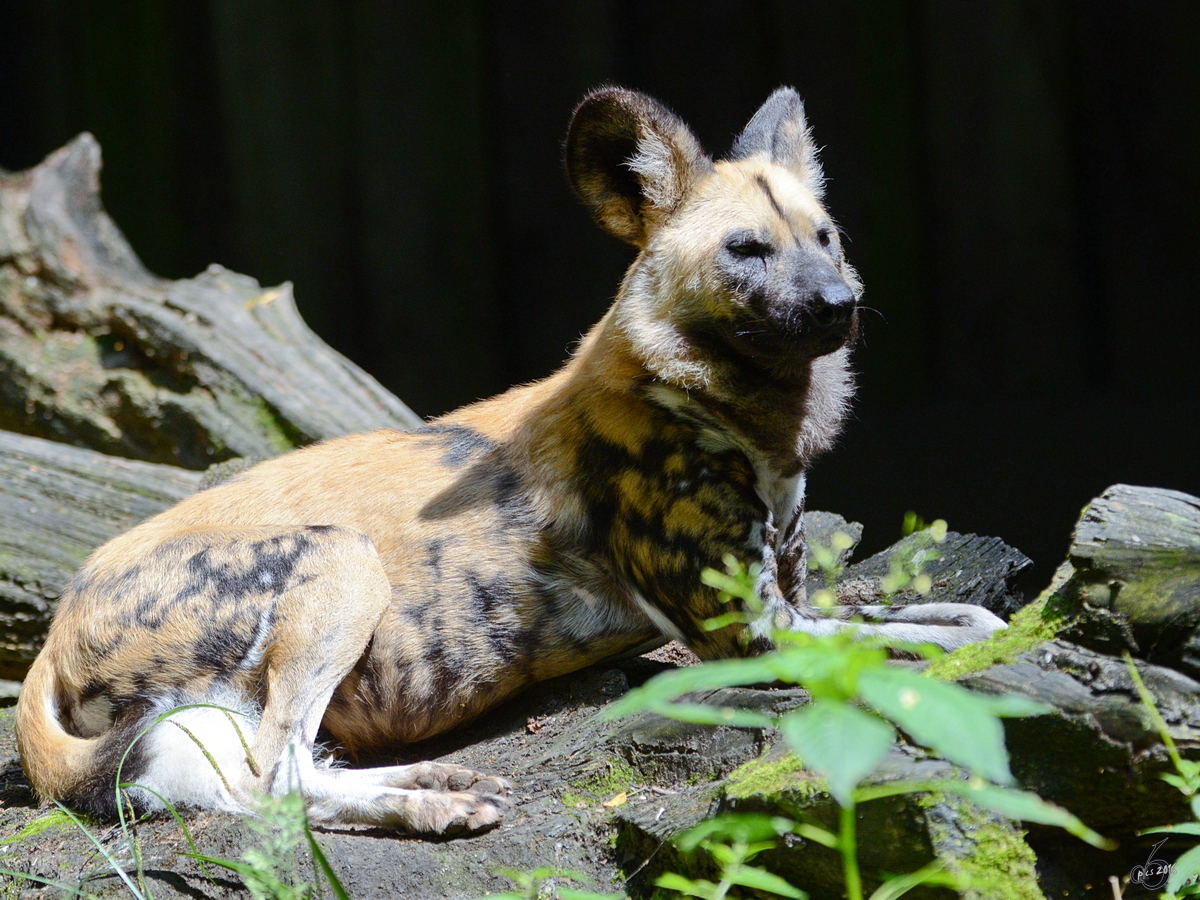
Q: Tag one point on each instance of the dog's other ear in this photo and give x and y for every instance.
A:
(631, 160)
(779, 133)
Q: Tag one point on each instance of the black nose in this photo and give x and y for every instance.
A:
(832, 305)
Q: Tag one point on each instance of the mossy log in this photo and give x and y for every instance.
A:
(98, 352)
(1136, 580)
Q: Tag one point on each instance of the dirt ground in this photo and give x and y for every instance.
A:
(549, 742)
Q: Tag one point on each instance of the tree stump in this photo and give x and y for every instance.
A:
(1136, 579)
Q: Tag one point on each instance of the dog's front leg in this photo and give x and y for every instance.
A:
(945, 625)
(786, 607)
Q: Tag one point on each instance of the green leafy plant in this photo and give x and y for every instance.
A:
(905, 569)
(733, 840)
(271, 870)
(858, 703)
(828, 560)
(1184, 879)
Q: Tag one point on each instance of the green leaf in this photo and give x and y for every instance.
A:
(762, 880)
(18, 877)
(725, 620)
(838, 741)
(816, 834)
(108, 857)
(698, 888)
(948, 719)
(1181, 784)
(932, 875)
(668, 686)
(178, 819)
(742, 828)
(1188, 768)
(702, 714)
(245, 870)
(1186, 868)
(740, 585)
(1181, 828)
(322, 862)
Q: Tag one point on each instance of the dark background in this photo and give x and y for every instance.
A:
(1018, 181)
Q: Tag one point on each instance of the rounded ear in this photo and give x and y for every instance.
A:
(631, 160)
(779, 133)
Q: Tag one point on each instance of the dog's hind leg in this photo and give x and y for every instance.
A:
(322, 626)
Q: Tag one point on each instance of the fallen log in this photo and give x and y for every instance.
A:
(98, 352)
(1135, 583)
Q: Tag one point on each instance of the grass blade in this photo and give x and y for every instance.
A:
(108, 857)
(318, 854)
(179, 820)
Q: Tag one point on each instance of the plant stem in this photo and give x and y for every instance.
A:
(848, 842)
(739, 854)
(1148, 701)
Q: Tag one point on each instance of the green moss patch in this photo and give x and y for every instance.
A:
(995, 858)
(772, 774)
(617, 776)
(1037, 623)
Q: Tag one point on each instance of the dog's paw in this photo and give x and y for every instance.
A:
(444, 777)
(455, 813)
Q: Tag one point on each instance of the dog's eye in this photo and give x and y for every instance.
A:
(749, 247)
(825, 237)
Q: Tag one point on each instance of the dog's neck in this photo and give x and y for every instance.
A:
(784, 422)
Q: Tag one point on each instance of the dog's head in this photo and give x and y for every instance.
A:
(739, 263)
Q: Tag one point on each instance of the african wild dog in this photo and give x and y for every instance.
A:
(390, 586)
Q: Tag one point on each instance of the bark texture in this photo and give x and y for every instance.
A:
(98, 352)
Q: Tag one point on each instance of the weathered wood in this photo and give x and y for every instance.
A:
(98, 352)
(965, 568)
(1136, 584)
(59, 503)
(1097, 750)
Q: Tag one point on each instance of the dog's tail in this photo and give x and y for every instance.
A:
(62, 766)
(194, 764)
